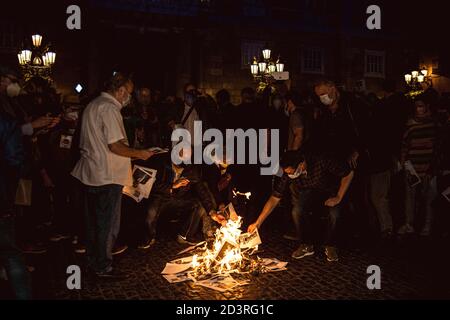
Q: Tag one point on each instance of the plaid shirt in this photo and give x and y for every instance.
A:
(323, 174)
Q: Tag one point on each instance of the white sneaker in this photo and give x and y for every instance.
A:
(406, 228)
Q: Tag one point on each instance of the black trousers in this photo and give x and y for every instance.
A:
(185, 207)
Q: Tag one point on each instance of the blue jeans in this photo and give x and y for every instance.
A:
(102, 216)
(11, 258)
(308, 210)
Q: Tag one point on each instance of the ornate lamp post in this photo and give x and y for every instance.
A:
(38, 61)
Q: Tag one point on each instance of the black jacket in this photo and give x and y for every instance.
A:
(197, 188)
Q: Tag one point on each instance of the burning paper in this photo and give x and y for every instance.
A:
(229, 254)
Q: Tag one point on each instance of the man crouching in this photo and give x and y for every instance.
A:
(311, 178)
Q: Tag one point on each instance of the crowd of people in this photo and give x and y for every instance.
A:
(375, 166)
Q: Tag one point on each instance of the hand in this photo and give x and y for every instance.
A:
(54, 122)
(251, 228)
(180, 183)
(41, 122)
(220, 219)
(221, 207)
(353, 159)
(145, 154)
(332, 202)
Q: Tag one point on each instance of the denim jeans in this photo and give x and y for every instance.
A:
(424, 193)
(12, 260)
(309, 212)
(190, 207)
(102, 216)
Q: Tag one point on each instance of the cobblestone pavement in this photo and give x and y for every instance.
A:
(404, 275)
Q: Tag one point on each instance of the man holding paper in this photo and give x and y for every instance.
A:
(103, 169)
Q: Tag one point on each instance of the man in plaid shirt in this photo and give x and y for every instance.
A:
(318, 185)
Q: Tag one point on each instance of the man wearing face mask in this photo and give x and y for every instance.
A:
(10, 90)
(342, 123)
(103, 169)
(321, 184)
(179, 189)
(343, 134)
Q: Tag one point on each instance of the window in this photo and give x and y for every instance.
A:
(250, 49)
(312, 60)
(374, 64)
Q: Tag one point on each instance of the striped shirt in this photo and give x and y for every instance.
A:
(419, 144)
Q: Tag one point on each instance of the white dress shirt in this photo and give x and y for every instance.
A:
(102, 124)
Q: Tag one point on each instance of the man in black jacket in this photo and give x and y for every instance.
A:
(179, 189)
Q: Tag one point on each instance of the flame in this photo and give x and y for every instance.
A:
(245, 194)
(225, 255)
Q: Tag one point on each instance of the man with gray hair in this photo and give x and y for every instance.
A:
(103, 169)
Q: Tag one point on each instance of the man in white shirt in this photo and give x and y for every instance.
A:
(103, 169)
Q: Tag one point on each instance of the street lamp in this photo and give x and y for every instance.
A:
(266, 70)
(416, 79)
(37, 61)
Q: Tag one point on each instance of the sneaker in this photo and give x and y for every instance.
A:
(118, 249)
(112, 275)
(184, 240)
(79, 248)
(34, 249)
(147, 244)
(331, 254)
(58, 237)
(406, 228)
(291, 236)
(303, 250)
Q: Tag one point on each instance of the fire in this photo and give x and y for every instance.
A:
(225, 256)
(245, 194)
(231, 252)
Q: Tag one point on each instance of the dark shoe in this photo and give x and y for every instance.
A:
(147, 244)
(184, 240)
(331, 254)
(112, 275)
(119, 249)
(34, 249)
(303, 250)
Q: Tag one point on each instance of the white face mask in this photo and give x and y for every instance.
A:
(127, 101)
(13, 90)
(326, 100)
(297, 173)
